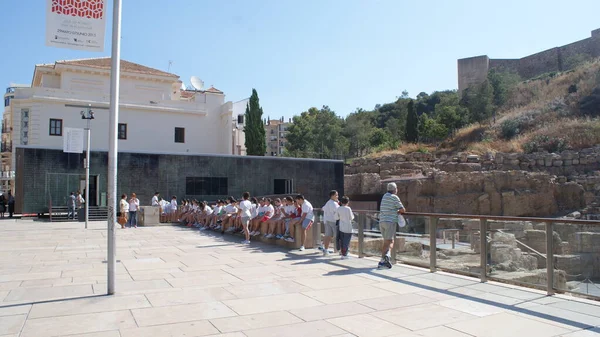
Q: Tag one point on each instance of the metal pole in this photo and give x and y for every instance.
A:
(549, 258)
(87, 175)
(483, 248)
(433, 222)
(112, 143)
(361, 234)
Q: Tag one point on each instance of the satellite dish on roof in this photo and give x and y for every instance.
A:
(183, 86)
(197, 83)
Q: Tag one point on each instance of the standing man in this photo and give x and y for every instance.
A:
(155, 199)
(390, 207)
(71, 204)
(329, 219)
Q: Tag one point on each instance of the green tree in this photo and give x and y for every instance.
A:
(431, 130)
(479, 100)
(316, 133)
(502, 83)
(450, 113)
(412, 123)
(358, 130)
(254, 130)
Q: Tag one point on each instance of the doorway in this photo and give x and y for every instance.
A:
(93, 198)
(283, 186)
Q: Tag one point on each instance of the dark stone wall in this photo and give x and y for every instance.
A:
(43, 174)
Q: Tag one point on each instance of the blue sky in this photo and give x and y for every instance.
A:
(303, 53)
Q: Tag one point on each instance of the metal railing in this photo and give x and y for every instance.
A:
(514, 250)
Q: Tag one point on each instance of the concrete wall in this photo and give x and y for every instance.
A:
(474, 70)
(43, 173)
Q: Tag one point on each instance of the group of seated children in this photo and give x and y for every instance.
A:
(280, 216)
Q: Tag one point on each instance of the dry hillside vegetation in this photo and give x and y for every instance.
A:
(554, 112)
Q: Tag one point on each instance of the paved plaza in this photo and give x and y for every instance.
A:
(173, 281)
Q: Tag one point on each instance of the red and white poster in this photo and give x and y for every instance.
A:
(76, 24)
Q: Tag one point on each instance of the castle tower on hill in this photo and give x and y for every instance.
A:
(474, 70)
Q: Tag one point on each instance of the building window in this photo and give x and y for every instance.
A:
(7, 100)
(206, 186)
(240, 119)
(179, 135)
(122, 131)
(24, 126)
(55, 127)
(283, 186)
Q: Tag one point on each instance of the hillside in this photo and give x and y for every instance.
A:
(553, 112)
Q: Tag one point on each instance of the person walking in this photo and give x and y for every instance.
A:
(390, 208)
(2, 206)
(11, 205)
(134, 205)
(71, 204)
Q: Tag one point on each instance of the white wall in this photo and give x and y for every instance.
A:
(147, 130)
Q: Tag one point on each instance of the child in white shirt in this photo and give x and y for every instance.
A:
(345, 215)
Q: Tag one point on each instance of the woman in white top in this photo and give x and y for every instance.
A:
(124, 208)
(134, 205)
(173, 215)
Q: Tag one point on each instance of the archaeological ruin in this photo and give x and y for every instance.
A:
(550, 185)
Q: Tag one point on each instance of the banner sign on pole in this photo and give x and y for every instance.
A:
(72, 140)
(76, 24)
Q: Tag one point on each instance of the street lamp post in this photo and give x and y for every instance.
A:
(87, 115)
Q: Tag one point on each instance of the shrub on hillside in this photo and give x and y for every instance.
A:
(509, 128)
(542, 143)
(590, 105)
(513, 127)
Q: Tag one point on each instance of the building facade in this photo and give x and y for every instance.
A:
(187, 143)
(7, 173)
(45, 177)
(275, 133)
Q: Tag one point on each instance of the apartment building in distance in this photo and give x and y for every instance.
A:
(276, 132)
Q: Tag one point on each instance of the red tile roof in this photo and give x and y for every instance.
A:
(126, 66)
(214, 90)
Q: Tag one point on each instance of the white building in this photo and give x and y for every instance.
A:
(155, 115)
(7, 174)
(239, 138)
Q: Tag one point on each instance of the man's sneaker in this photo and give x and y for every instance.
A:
(270, 236)
(344, 257)
(321, 248)
(246, 242)
(278, 236)
(325, 253)
(386, 263)
(301, 248)
(290, 240)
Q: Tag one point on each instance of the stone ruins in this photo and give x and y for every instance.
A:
(556, 185)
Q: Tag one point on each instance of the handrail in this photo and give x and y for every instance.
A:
(485, 265)
(492, 217)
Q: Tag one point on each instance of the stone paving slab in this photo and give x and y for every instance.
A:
(178, 282)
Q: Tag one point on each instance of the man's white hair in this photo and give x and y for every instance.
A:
(392, 187)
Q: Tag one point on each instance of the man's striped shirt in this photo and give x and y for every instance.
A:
(390, 204)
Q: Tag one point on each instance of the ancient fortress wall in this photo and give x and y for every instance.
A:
(474, 70)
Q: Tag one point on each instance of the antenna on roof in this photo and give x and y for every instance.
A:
(170, 63)
(197, 83)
